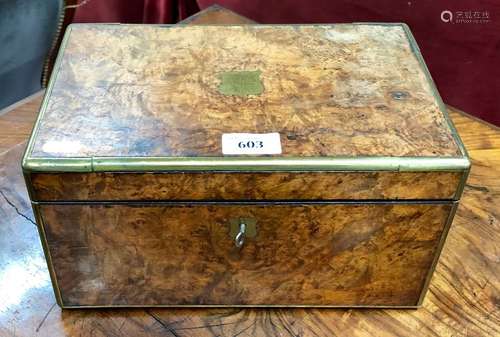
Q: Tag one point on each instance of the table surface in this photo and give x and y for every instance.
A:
(463, 298)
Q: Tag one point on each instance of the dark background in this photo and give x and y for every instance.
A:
(463, 55)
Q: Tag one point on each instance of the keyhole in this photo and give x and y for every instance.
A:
(239, 240)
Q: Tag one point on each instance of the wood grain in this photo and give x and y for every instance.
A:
(316, 254)
(245, 186)
(16, 123)
(462, 301)
(329, 90)
(280, 78)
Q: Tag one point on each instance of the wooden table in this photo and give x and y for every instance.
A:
(463, 299)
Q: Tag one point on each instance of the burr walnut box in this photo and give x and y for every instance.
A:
(283, 165)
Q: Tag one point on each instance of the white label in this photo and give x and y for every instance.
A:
(62, 147)
(251, 143)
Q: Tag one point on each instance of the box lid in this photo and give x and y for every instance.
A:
(156, 98)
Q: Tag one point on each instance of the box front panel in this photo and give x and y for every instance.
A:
(245, 185)
(324, 254)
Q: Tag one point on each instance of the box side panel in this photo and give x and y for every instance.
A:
(43, 240)
(300, 254)
(437, 254)
(244, 186)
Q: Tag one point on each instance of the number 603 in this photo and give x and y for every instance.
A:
(251, 144)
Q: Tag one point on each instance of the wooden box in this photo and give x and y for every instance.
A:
(304, 165)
